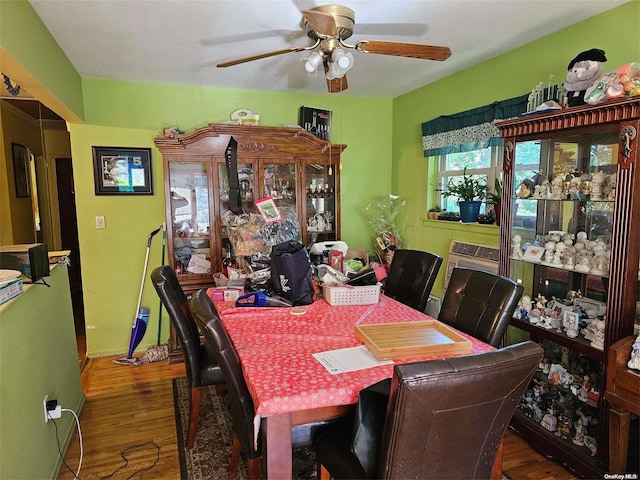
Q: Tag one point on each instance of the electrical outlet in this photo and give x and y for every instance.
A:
(46, 412)
(100, 222)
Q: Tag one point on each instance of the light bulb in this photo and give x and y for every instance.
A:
(340, 64)
(313, 62)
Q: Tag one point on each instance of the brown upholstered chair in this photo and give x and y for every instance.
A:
(240, 401)
(202, 368)
(444, 419)
(411, 277)
(480, 304)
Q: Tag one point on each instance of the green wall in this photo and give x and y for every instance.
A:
(133, 114)
(515, 73)
(38, 357)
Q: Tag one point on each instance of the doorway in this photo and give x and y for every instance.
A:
(37, 123)
(69, 238)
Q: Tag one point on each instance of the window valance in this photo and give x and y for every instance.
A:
(470, 130)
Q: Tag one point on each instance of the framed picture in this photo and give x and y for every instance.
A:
(533, 253)
(316, 121)
(122, 171)
(21, 169)
(268, 210)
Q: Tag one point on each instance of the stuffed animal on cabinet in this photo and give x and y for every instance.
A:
(583, 71)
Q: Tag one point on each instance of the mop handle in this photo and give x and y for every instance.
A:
(164, 244)
(144, 271)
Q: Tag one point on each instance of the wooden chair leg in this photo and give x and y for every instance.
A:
(323, 473)
(496, 472)
(194, 413)
(254, 468)
(235, 457)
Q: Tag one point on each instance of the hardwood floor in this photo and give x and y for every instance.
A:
(128, 406)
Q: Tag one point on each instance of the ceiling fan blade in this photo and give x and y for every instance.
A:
(260, 56)
(321, 23)
(401, 49)
(335, 85)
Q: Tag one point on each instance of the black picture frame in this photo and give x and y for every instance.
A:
(21, 170)
(122, 171)
(316, 121)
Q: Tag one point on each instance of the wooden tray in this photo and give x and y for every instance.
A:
(388, 341)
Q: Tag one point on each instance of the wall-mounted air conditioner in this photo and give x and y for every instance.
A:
(470, 255)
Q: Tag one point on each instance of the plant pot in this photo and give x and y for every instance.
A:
(469, 211)
(497, 208)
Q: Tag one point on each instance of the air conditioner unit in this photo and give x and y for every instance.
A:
(473, 256)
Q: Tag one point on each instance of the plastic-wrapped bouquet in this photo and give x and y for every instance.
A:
(381, 214)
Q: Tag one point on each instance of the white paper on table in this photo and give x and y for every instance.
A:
(348, 359)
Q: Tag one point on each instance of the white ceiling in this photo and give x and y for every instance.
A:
(180, 41)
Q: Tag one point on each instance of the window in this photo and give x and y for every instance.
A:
(482, 164)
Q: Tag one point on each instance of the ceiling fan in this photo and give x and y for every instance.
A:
(329, 26)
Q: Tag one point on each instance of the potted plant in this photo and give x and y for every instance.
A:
(434, 212)
(485, 218)
(495, 198)
(470, 192)
(449, 216)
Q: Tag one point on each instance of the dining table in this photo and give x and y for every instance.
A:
(289, 386)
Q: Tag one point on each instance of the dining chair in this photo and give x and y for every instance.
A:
(240, 401)
(411, 277)
(202, 368)
(439, 419)
(480, 304)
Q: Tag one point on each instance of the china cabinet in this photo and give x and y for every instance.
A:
(299, 171)
(570, 230)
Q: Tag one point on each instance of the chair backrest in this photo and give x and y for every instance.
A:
(446, 418)
(480, 304)
(241, 403)
(175, 301)
(411, 277)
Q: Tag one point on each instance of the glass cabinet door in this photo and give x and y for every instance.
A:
(189, 213)
(562, 220)
(279, 183)
(248, 194)
(320, 205)
(561, 228)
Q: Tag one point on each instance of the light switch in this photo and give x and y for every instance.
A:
(100, 223)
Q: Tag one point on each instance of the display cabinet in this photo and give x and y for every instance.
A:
(570, 233)
(298, 170)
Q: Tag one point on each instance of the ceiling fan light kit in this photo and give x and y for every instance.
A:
(341, 63)
(313, 62)
(329, 26)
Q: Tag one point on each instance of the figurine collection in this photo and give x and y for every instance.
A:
(562, 397)
(566, 251)
(574, 185)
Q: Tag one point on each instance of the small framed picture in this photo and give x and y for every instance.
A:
(570, 317)
(122, 171)
(316, 121)
(21, 169)
(268, 209)
(533, 253)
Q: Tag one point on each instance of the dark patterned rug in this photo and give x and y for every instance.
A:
(209, 457)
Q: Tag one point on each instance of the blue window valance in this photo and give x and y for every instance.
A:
(470, 130)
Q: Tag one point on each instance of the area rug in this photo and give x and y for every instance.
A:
(208, 459)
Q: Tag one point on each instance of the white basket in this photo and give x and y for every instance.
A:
(347, 295)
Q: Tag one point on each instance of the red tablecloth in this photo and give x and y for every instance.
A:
(276, 349)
